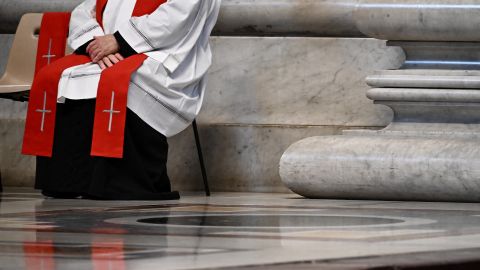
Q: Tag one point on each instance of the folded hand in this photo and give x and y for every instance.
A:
(102, 46)
(109, 60)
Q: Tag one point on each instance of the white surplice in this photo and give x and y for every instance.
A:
(167, 90)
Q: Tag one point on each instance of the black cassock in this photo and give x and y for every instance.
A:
(71, 172)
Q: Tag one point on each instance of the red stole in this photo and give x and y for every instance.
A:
(53, 38)
(111, 107)
(40, 124)
(39, 253)
(110, 113)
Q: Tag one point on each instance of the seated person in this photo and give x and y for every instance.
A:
(164, 96)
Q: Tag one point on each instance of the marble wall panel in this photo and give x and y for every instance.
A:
(237, 157)
(293, 81)
(263, 95)
(296, 81)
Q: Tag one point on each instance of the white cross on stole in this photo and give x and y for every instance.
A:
(111, 112)
(44, 110)
(49, 54)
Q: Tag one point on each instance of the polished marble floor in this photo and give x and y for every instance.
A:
(235, 230)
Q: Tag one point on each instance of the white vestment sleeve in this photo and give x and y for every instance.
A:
(83, 24)
(164, 27)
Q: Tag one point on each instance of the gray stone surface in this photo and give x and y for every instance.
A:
(424, 95)
(429, 151)
(245, 17)
(296, 81)
(12, 11)
(263, 95)
(431, 20)
(440, 55)
(304, 17)
(244, 231)
(384, 167)
(459, 79)
(419, 20)
(237, 157)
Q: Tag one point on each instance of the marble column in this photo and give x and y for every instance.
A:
(431, 150)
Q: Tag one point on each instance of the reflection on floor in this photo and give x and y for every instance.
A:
(230, 230)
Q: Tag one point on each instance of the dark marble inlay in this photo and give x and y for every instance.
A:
(269, 220)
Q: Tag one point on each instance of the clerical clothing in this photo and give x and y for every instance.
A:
(167, 90)
(165, 94)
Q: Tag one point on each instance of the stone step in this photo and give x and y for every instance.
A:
(424, 95)
(237, 157)
(454, 79)
(384, 168)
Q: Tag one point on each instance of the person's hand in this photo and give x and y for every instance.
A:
(102, 46)
(109, 60)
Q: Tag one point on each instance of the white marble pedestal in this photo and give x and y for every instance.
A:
(431, 150)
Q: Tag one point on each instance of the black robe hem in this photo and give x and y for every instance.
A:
(71, 172)
(161, 196)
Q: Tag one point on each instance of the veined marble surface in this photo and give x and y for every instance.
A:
(261, 97)
(305, 18)
(419, 20)
(424, 95)
(296, 81)
(401, 167)
(453, 79)
(245, 17)
(237, 157)
(235, 230)
(428, 152)
(435, 55)
(291, 81)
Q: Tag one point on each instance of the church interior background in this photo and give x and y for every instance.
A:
(337, 134)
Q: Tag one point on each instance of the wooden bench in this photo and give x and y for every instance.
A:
(15, 83)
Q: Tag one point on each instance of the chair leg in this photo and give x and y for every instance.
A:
(200, 157)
